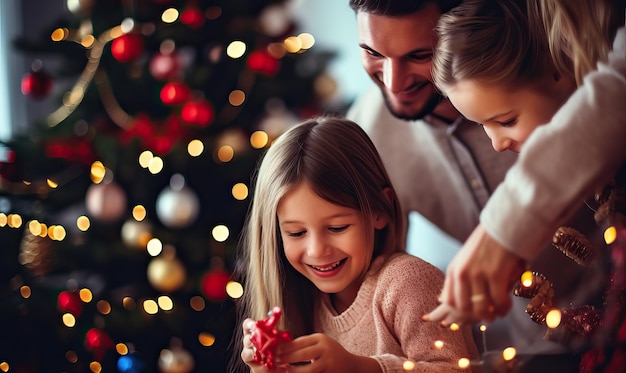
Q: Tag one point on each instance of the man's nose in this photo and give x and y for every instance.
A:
(394, 76)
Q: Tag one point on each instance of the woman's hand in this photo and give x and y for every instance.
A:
(478, 281)
(320, 353)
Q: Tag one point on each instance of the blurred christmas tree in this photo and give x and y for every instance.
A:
(120, 212)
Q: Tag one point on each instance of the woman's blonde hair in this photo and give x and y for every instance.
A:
(336, 158)
(579, 33)
(488, 41)
(516, 42)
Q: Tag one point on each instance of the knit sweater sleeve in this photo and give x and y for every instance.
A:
(408, 288)
(564, 161)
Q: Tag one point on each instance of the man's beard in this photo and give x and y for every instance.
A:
(426, 109)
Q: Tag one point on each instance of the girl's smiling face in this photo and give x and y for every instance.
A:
(327, 243)
(509, 116)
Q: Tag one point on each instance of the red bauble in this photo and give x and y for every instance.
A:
(69, 301)
(98, 342)
(164, 66)
(36, 84)
(175, 93)
(127, 47)
(199, 113)
(214, 284)
(263, 62)
(193, 17)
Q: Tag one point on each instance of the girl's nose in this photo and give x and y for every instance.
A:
(317, 246)
(501, 143)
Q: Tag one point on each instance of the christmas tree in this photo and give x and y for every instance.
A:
(120, 211)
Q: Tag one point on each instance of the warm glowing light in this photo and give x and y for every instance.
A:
(169, 15)
(509, 353)
(87, 41)
(83, 223)
(234, 289)
(225, 153)
(483, 328)
(307, 40)
(4, 366)
(95, 367)
(610, 234)
(69, 320)
(34, 227)
(97, 172)
(195, 148)
(156, 165)
(292, 44)
(144, 158)
(259, 139)
(454, 326)
(236, 97)
(220, 233)
(103, 307)
(150, 306)
(553, 318)
(85, 295)
(154, 247)
(236, 49)
(527, 278)
(438, 344)
(129, 303)
(408, 365)
(121, 348)
(165, 303)
(14, 220)
(3, 219)
(139, 212)
(240, 191)
(59, 34)
(197, 303)
(71, 356)
(25, 291)
(57, 232)
(52, 184)
(464, 363)
(206, 339)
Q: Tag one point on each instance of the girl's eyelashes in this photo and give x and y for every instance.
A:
(295, 234)
(339, 229)
(508, 123)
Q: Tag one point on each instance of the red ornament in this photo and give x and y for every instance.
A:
(199, 113)
(36, 84)
(98, 342)
(175, 93)
(192, 17)
(69, 301)
(266, 338)
(214, 284)
(262, 62)
(127, 47)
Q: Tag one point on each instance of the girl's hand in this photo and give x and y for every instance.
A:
(320, 353)
(248, 351)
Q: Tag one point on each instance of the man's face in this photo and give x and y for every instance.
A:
(396, 53)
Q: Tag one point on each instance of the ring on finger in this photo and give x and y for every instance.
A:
(477, 298)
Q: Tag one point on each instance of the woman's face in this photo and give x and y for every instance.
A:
(509, 116)
(327, 243)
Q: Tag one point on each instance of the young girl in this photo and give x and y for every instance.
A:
(499, 74)
(510, 68)
(323, 242)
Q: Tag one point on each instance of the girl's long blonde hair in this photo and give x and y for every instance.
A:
(338, 160)
(579, 33)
